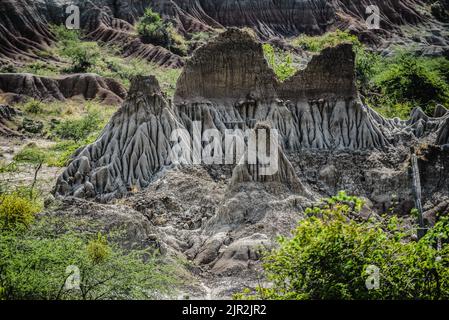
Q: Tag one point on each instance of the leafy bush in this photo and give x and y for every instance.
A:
(409, 79)
(153, 29)
(34, 107)
(329, 255)
(39, 267)
(8, 167)
(16, 211)
(98, 249)
(78, 129)
(281, 62)
(198, 39)
(125, 70)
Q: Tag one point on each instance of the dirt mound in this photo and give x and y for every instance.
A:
(229, 67)
(15, 86)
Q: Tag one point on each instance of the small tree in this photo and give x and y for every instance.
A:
(153, 29)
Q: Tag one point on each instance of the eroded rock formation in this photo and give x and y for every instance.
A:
(16, 86)
(24, 24)
(132, 148)
(24, 32)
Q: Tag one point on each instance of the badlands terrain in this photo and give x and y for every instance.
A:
(87, 120)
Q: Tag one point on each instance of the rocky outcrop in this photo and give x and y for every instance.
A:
(86, 86)
(104, 25)
(316, 108)
(230, 67)
(133, 147)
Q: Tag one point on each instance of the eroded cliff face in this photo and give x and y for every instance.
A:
(23, 32)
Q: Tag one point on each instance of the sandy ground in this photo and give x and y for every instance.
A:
(25, 175)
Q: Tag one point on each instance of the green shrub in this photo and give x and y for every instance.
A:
(328, 256)
(31, 153)
(38, 266)
(82, 55)
(408, 78)
(281, 62)
(78, 129)
(34, 107)
(16, 211)
(8, 167)
(63, 34)
(153, 29)
(98, 249)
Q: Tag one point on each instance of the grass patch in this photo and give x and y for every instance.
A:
(281, 62)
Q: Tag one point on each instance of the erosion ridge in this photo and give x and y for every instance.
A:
(19, 86)
(25, 32)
